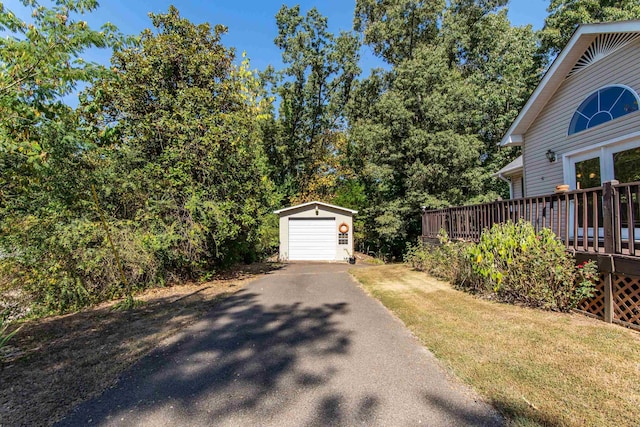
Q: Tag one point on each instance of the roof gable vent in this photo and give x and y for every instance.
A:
(603, 45)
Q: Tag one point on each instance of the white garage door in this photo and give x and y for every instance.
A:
(312, 239)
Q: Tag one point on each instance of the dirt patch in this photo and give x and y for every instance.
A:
(55, 363)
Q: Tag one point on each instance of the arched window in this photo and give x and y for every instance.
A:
(603, 105)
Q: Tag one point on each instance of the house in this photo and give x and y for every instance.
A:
(316, 231)
(581, 125)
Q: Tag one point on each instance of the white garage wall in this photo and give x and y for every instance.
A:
(309, 211)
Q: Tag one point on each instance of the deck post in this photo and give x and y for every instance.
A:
(608, 297)
(607, 214)
(609, 246)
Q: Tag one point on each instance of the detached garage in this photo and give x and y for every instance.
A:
(316, 231)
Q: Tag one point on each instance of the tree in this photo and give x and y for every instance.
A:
(304, 142)
(410, 147)
(565, 16)
(502, 63)
(41, 64)
(426, 133)
(395, 28)
(180, 124)
(43, 186)
(169, 137)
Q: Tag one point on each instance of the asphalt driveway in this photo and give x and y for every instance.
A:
(303, 346)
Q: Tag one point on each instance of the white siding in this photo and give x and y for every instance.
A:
(516, 186)
(549, 130)
(335, 216)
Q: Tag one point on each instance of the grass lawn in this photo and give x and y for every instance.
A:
(536, 367)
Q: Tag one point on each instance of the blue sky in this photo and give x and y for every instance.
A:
(251, 23)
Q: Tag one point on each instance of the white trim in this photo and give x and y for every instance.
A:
(279, 211)
(566, 170)
(516, 139)
(602, 46)
(618, 140)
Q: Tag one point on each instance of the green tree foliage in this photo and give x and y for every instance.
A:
(169, 137)
(501, 63)
(426, 133)
(40, 63)
(407, 147)
(179, 123)
(305, 142)
(395, 28)
(43, 171)
(565, 15)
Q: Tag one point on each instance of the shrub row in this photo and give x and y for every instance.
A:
(512, 263)
(74, 266)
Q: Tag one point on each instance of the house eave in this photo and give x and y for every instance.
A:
(516, 167)
(512, 140)
(509, 173)
(557, 73)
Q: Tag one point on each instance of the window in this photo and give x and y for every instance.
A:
(343, 238)
(626, 168)
(602, 106)
(626, 165)
(588, 173)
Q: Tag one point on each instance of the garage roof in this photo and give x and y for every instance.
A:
(279, 211)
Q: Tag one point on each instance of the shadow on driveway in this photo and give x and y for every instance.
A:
(241, 358)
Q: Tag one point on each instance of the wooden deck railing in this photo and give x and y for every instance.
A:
(602, 220)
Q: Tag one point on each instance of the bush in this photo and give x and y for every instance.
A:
(73, 267)
(445, 261)
(512, 263)
(516, 264)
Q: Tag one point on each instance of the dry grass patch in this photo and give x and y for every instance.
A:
(60, 361)
(536, 367)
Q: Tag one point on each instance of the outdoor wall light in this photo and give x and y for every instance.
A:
(551, 155)
(316, 210)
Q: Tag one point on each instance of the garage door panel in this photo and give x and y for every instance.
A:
(312, 239)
